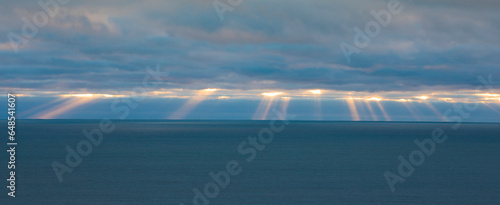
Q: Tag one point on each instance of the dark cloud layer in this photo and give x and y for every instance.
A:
(293, 45)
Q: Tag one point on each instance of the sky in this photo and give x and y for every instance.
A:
(311, 60)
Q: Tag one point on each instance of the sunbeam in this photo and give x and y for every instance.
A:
(192, 103)
(413, 113)
(387, 118)
(374, 116)
(65, 107)
(489, 106)
(353, 109)
(431, 107)
(265, 105)
(285, 101)
(263, 109)
(27, 112)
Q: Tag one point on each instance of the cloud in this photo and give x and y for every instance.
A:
(261, 44)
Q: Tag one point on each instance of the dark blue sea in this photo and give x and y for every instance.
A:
(162, 162)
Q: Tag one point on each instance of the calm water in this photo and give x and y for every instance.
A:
(160, 162)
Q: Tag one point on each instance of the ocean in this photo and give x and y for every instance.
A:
(254, 162)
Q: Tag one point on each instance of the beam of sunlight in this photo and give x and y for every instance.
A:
(42, 106)
(263, 109)
(65, 107)
(264, 115)
(353, 109)
(258, 112)
(491, 107)
(265, 105)
(285, 101)
(387, 118)
(317, 108)
(192, 103)
(374, 116)
(422, 97)
(413, 113)
(431, 107)
(416, 109)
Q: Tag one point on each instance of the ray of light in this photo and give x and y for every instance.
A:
(272, 94)
(431, 107)
(260, 109)
(353, 109)
(264, 115)
(387, 118)
(265, 105)
(374, 116)
(187, 107)
(491, 107)
(263, 109)
(41, 107)
(411, 110)
(317, 108)
(192, 103)
(416, 109)
(285, 101)
(65, 107)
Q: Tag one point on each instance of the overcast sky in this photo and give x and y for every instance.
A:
(261, 45)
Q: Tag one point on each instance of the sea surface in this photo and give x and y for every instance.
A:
(161, 162)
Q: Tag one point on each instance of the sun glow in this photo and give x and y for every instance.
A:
(352, 108)
(88, 95)
(422, 97)
(374, 99)
(210, 90)
(272, 94)
(489, 95)
(315, 92)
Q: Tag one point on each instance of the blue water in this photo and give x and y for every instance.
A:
(160, 162)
